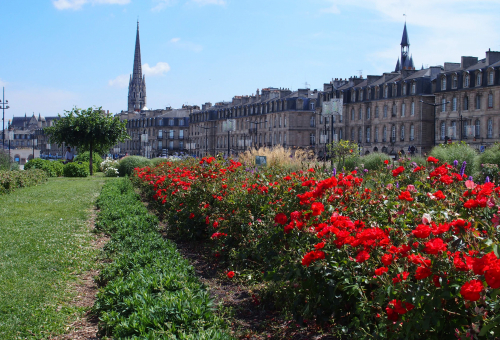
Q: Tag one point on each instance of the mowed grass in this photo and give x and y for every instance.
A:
(44, 244)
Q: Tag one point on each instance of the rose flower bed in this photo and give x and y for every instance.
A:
(405, 252)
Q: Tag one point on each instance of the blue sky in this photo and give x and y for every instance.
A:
(57, 54)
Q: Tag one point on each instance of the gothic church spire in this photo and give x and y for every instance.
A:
(406, 59)
(137, 83)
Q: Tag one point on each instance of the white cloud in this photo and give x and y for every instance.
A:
(209, 2)
(158, 70)
(121, 81)
(436, 29)
(78, 4)
(163, 4)
(186, 45)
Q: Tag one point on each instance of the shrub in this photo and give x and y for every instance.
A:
(11, 180)
(85, 157)
(158, 161)
(129, 163)
(107, 163)
(111, 172)
(52, 169)
(279, 156)
(149, 291)
(76, 170)
(374, 161)
(456, 151)
(4, 161)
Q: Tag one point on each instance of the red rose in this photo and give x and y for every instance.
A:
(400, 277)
(381, 270)
(191, 216)
(281, 219)
(397, 171)
(405, 196)
(386, 162)
(432, 160)
(362, 256)
(422, 273)
(387, 259)
(230, 274)
(312, 256)
(470, 290)
(317, 208)
(421, 231)
(435, 246)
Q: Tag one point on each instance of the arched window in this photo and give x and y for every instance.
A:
(385, 111)
(490, 128)
(454, 104)
(402, 133)
(384, 134)
(478, 128)
(412, 132)
(443, 130)
(368, 113)
(375, 137)
(490, 100)
(443, 104)
(454, 81)
(443, 83)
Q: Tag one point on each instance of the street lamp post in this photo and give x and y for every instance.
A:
(34, 142)
(256, 123)
(434, 105)
(206, 137)
(3, 106)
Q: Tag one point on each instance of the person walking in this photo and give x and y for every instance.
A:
(69, 156)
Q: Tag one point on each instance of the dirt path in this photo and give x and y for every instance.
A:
(250, 319)
(85, 328)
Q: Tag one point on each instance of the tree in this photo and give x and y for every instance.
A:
(342, 150)
(88, 130)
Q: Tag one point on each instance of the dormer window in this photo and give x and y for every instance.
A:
(369, 95)
(403, 89)
(413, 88)
(491, 78)
(386, 91)
(443, 84)
(478, 79)
(466, 80)
(311, 106)
(353, 96)
(360, 95)
(454, 81)
(394, 90)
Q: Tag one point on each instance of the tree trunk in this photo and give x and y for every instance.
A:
(90, 161)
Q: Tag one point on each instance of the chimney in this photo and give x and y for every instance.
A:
(492, 57)
(468, 62)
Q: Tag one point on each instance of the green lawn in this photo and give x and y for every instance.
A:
(44, 244)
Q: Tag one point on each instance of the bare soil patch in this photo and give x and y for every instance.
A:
(86, 326)
(250, 318)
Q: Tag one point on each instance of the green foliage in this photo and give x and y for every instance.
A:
(456, 151)
(85, 157)
(149, 291)
(158, 161)
(374, 161)
(51, 168)
(76, 170)
(4, 161)
(345, 154)
(88, 130)
(11, 180)
(127, 164)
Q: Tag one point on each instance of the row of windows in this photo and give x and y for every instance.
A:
(375, 138)
(467, 79)
(468, 130)
(412, 87)
(171, 134)
(477, 103)
(134, 123)
(242, 141)
(132, 145)
(384, 112)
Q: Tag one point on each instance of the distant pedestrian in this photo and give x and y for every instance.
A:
(69, 156)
